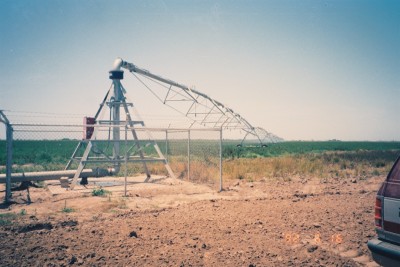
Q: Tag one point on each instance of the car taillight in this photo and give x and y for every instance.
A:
(378, 212)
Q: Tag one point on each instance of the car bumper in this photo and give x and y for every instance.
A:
(384, 253)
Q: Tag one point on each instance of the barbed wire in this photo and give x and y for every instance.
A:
(45, 113)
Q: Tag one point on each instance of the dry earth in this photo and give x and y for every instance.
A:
(302, 222)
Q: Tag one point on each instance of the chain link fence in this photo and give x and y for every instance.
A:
(193, 155)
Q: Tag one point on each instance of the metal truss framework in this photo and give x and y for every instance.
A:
(198, 107)
(115, 100)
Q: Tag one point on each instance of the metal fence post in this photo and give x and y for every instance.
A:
(9, 150)
(188, 151)
(9, 137)
(126, 160)
(166, 144)
(220, 160)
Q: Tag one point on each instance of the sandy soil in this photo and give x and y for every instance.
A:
(302, 222)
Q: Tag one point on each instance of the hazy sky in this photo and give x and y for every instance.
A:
(300, 69)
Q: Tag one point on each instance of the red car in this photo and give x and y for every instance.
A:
(386, 248)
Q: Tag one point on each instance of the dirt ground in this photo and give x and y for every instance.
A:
(302, 222)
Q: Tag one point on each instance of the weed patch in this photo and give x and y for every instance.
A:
(67, 210)
(7, 218)
(98, 192)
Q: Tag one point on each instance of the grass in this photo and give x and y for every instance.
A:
(67, 210)
(363, 164)
(230, 150)
(122, 203)
(318, 159)
(325, 164)
(50, 154)
(7, 218)
(99, 192)
(321, 160)
(39, 151)
(114, 205)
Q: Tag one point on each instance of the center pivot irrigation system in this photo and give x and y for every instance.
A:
(199, 108)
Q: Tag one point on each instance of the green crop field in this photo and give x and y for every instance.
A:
(230, 148)
(329, 158)
(57, 151)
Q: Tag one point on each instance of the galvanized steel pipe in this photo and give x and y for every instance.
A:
(55, 175)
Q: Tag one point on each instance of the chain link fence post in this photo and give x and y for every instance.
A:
(166, 144)
(220, 160)
(9, 153)
(126, 160)
(188, 153)
(9, 137)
